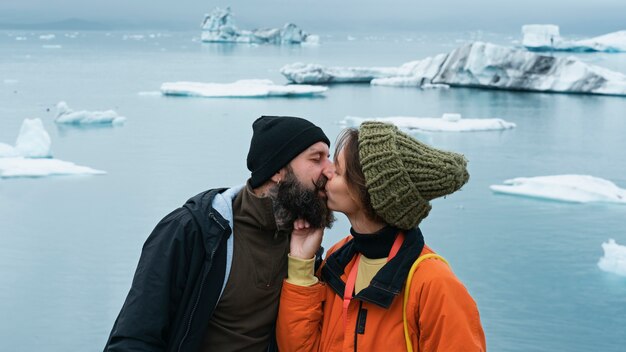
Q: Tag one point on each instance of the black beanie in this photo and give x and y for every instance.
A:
(276, 140)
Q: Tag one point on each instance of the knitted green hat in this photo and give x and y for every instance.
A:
(402, 174)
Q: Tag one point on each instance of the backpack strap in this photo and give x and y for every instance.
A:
(407, 289)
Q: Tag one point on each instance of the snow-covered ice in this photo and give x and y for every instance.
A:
(65, 115)
(33, 140)
(26, 167)
(31, 156)
(566, 188)
(449, 122)
(47, 36)
(614, 259)
(546, 37)
(219, 27)
(302, 73)
(254, 88)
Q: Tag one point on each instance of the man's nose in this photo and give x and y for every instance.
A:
(329, 170)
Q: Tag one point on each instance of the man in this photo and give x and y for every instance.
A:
(211, 272)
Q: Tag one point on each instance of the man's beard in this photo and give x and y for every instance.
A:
(292, 200)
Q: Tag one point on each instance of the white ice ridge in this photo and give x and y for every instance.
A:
(219, 26)
(449, 122)
(65, 115)
(546, 37)
(251, 88)
(31, 156)
(566, 188)
(614, 259)
(478, 65)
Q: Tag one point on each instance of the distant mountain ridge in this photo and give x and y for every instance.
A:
(68, 24)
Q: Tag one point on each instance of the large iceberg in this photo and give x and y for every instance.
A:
(65, 115)
(446, 123)
(250, 88)
(478, 65)
(219, 26)
(31, 156)
(614, 259)
(546, 37)
(566, 188)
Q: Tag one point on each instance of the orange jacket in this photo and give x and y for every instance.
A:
(442, 316)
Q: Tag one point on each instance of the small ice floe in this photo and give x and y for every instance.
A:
(252, 88)
(65, 115)
(51, 46)
(31, 156)
(10, 81)
(133, 37)
(25, 167)
(449, 122)
(565, 188)
(149, 93)
(21, 38)
(614, 259)
(546, 37)
(47, 36)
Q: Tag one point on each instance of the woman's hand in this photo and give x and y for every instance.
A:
(305, 241)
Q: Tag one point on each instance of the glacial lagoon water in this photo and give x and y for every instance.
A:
(69, 245)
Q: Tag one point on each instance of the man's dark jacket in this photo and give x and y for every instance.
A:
(179, 278)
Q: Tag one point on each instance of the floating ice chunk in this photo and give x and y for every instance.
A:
(566, 188)
(25, 167)
(447, 123)
(614, 259)
(21, 38)
(546, 37)
(10, 81)
(7, 151)
(133, 37)
(30, 156)
(477, 65)
(51, 46)
(240, 89)
(301, 73)
(219, 27)
(33, 140)
(47, 36)
(65, 115)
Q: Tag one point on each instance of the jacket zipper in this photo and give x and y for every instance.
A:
(356, 324)
(195, 306)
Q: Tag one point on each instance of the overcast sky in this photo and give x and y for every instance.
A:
(574, 16)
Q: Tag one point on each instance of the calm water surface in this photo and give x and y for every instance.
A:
(69, 245)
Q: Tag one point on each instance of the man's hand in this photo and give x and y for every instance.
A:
(305, 241)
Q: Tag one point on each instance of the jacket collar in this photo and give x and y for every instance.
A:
(388, 282)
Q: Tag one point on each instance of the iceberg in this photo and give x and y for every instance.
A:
(566, 188)
(476, 65)
(252, 88)
(33, 141)
(31, 156)
(301, 73)
(546, 37)
(614, 259)
(449, 122)
(65, 115)
(219, 27)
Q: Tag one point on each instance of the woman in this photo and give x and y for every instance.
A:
(383, 182)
